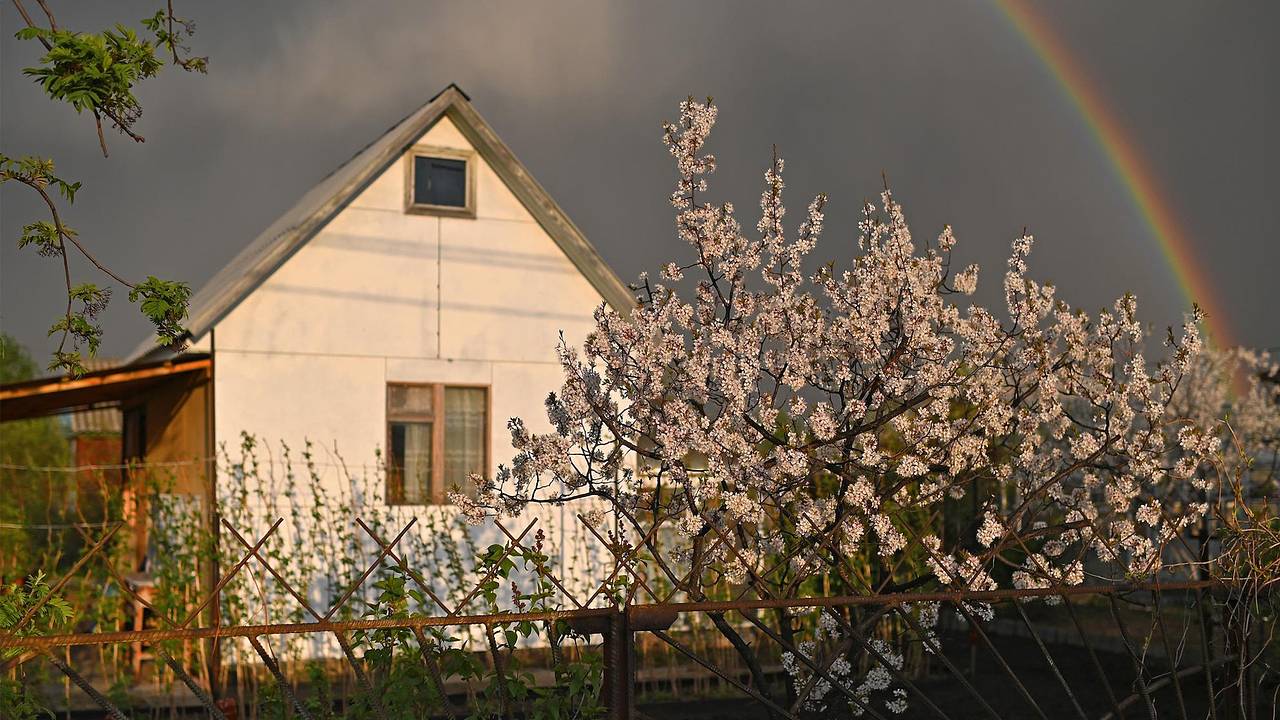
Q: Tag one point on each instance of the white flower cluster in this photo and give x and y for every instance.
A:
(816, 414)
(826, 651)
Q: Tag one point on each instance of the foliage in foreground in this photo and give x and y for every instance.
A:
(96, 73)
(864, 424)
(320, 550)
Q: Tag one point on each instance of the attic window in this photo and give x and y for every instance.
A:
(440, 182)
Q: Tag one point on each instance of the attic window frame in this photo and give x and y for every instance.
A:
(430, 151)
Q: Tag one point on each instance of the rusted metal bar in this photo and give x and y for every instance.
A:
(489, 575)
(542, 569)
(267, 566)
(433, 671)
(813, 666)
(618, 627)
(71, 639)
(618, 560)
(650, 617)
(1138, 667)
(1093, 656)
(937, 652)
(726, 676)
(192, 685)
(222, 582)
(368, 571)
(1165, 681)
(855, 630)
(942, 596)
(678, 587)
(1004, 665)
(1173, 660)
(646, 539)
(53, 591)
(285, 688)
(1206, 649)
(126, 586)
(802, 696)
(619, 667)
(375, 700)
(229, 631)
(413, 574)
(88, 689)
(504, 697)
(871, 650)
(1031, 628)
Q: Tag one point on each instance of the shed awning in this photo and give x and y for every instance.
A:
(101, 388)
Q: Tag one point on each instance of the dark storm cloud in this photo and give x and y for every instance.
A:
(942, 96)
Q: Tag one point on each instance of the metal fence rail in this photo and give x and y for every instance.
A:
(1186, 649)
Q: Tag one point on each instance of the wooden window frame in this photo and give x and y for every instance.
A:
(430, 151)
(437, 419)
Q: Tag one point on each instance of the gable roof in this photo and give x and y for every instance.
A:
(253, 265)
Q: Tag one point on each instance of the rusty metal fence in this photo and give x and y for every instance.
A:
(1168, 648)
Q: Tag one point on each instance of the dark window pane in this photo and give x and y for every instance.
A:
(422, 180)
(439, 181)
(409, 464)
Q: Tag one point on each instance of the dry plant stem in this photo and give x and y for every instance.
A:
(1173, 659)
(1138, 667)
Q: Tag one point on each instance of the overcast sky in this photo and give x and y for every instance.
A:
(944, 97)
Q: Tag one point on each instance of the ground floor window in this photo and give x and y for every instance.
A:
(437, 436)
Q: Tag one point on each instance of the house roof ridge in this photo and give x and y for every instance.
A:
(334, 192)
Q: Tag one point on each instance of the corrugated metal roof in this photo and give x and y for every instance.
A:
(100, 420)
(324, 201)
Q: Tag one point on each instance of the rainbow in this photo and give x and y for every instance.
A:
(1122, 152)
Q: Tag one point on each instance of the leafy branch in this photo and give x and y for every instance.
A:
(163, 302)
(97, 73)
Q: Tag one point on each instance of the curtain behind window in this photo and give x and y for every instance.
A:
(464, 435)
(411, 460)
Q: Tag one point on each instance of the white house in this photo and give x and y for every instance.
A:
(410, 302)
(404, 308)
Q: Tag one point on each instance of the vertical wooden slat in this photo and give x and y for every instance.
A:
(437, 444)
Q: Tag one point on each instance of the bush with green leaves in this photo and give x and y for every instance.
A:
(52, 613)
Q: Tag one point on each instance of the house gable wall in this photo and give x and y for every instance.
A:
(380, 295)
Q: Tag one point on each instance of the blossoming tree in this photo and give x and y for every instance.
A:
(758, 424)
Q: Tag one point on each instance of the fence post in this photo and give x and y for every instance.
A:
(619, 669)
(618, 628)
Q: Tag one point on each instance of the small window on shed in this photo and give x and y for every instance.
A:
(440, 183)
